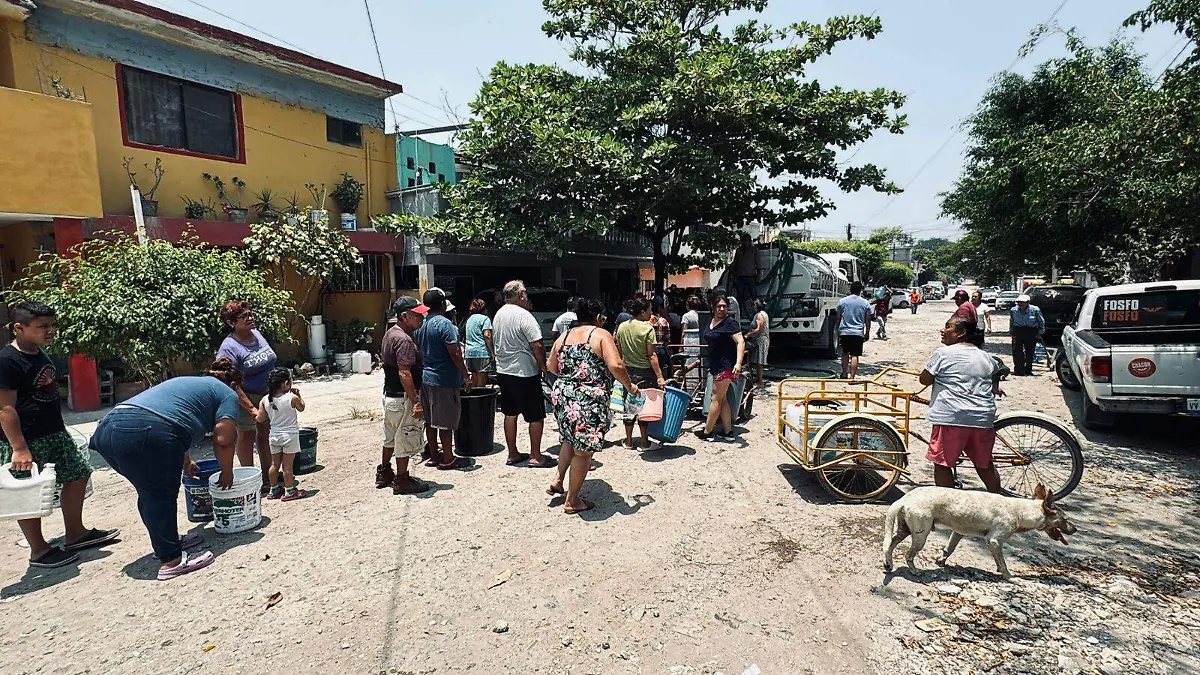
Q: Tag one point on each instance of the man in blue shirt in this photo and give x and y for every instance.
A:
(854, 328)
(1026, 325)
(442, 378)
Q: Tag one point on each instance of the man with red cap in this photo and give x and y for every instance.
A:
(965, 308)
(403, 435)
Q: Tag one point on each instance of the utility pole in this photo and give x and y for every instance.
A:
(849, 232)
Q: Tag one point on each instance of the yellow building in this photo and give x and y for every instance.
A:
(86, 85)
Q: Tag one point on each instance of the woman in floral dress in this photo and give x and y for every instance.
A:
(586, 360)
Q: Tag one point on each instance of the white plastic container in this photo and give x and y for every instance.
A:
(795, 415)
(87, 493)
(317, 352)
(240, 507)
(360, 361)
(343, 360)
(22, 498)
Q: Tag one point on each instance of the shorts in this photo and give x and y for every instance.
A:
(245, 420)
(442, 406)
(402, 431)
(285, 443)
(70, 462)
(947, 443)
(477, 365)
(522, 396)
(852, 344)
(724, 376)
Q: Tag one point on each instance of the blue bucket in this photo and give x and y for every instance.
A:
(675, 404)
(195, 491)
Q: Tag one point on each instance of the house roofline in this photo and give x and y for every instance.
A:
(225, 35)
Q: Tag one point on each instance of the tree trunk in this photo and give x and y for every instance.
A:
(660, 266)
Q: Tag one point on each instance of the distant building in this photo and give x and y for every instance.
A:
(419, 162)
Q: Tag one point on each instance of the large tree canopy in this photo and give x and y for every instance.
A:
(1088, 163)
(674, 125)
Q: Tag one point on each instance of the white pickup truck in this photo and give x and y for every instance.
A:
(1135, 349)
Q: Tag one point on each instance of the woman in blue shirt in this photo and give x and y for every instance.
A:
(146, 440)
(478, 334)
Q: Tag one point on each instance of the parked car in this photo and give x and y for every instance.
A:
(1134, 350)
(1006, 300)
(1059, 305)
(989, 296)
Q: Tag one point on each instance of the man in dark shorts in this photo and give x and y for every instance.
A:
(34, 433)
(854, 328)
(520, 361)
(442, 379)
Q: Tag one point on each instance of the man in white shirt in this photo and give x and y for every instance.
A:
(520, 360)
(563, 323)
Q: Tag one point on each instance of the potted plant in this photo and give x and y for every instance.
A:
(345, 337)
(292, 212)
(319, 195)
(264, 205)
(348, 194)
(231, 203)
(149, 203)
(196, 210)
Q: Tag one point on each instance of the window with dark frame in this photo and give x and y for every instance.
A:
(343, 132)
(412, 165)
(433, 167)
(167, 112)
(412, 182)
(441, 178)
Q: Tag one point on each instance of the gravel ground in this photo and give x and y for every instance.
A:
(699, 559)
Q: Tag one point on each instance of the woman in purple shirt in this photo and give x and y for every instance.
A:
(253, 357)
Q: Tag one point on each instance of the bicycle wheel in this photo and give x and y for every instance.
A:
(862, 477)
(1032, 449)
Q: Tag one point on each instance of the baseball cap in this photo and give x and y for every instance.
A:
(442, 294)
(961, 294)
(1022, 298)
(408, 304)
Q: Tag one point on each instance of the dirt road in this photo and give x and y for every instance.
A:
(700, 558)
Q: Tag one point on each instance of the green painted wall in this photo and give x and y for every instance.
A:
(420, 162)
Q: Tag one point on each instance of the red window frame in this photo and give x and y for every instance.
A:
(237, 112)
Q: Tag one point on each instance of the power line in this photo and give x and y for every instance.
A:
(379, 56)
(1164, 70)
(256, 30)
(955, 133)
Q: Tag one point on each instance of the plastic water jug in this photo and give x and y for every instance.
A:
(22, 498)
(360, 361)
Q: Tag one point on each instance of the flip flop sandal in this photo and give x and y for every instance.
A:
(523, 457)
(458, 463)
(547, 464)
(57, 557)
(555, 491)
(187, 564)
(93, 538)
(431, 463)
(587, 506)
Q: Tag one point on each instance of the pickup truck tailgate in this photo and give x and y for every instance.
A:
(1164, 370)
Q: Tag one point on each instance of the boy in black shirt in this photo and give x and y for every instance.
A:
(32, 430)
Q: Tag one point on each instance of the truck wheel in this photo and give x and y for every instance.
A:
(830, 350)
(1094, 417)
(1062, 368)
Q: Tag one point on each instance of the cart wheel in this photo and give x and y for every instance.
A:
(1031, 450)
(746, 409)
(861, 478)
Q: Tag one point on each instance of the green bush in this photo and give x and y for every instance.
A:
(894, 275)
(870, 256)
(149, 306)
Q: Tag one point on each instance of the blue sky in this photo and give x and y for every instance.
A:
(940, 53)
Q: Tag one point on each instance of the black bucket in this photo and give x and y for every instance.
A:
(477, 423)
(306, 461)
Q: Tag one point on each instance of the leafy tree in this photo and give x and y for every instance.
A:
(891, 236)
(894, 275)
(1088, 163)
(871, 257)
(302, 252)
(150, 306)
(677, 127)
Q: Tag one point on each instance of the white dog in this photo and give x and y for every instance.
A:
(968, 513)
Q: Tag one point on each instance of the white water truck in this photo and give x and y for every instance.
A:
(802, 291)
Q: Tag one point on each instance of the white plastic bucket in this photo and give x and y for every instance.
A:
(23, 498)
(240, 507)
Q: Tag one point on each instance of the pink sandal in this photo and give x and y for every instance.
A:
(187, 564)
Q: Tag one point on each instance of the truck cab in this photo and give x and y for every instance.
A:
(1135, 349)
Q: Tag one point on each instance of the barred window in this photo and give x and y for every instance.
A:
(366, 276)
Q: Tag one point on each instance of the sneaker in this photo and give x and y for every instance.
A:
(384, 475)
(726, 438)
(407, 485)
(707, 438)
(276, 493)
(57, 557)
(294, 494)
